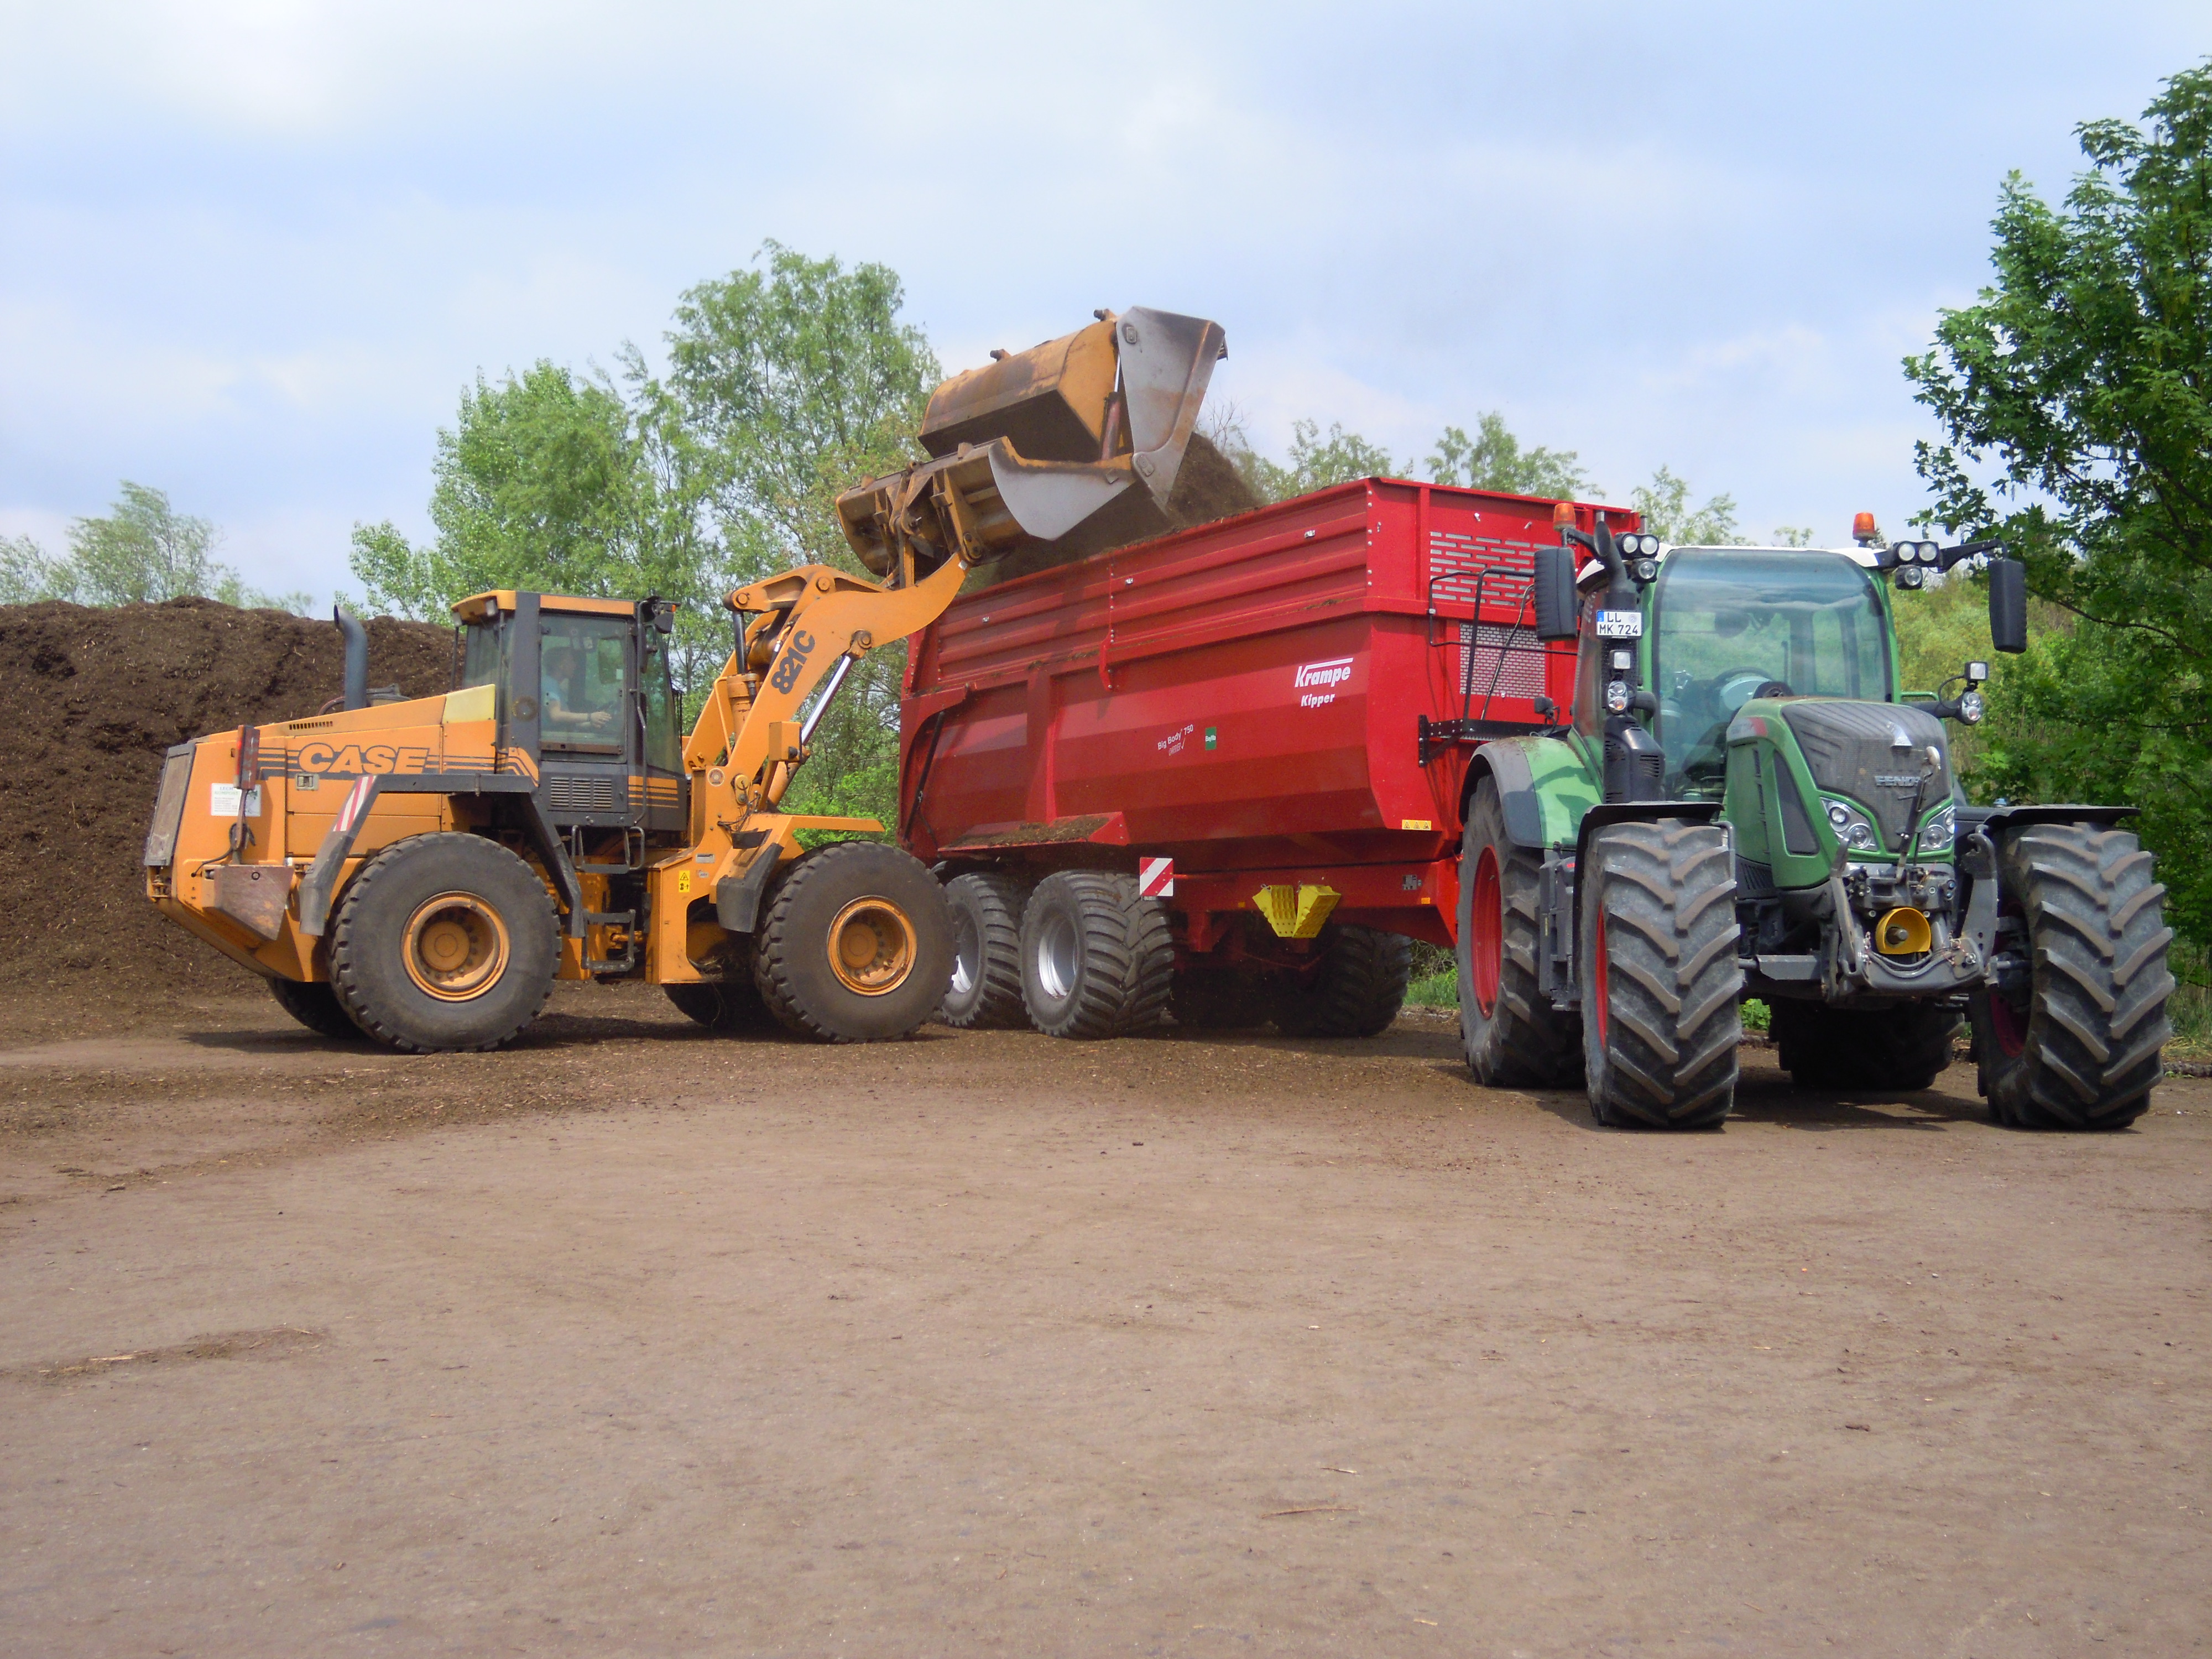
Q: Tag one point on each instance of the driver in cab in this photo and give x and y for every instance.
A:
(566, 693)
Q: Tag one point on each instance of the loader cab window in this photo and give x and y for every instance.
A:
(664, 752)
(584, 662)
(484, 655)
(1728, 620)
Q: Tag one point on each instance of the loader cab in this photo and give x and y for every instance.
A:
(583, 686)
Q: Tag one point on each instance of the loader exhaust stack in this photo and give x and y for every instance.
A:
(1041, 441)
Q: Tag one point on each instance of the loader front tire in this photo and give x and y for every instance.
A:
(986, 991)
(2080, 1048)
(1097, 958)
(1359, 990)
(444, 942)
(315, 1005)
(1512, 1036)
(854, 944)
(1659, 976)
(1904, 1047)
(730, 1005)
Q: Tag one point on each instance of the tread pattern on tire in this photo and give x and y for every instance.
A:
(1152, 960)
(362, 892)
(1667, 891)
(1358, 991)
(1127, 954)
(316, 1006)
(995, 898)
(1904, 1047)
(1526, 1042)
(2097, 1007)
(773, 968)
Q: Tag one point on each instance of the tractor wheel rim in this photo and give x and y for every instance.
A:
(967, 954)
(871, 947)
(1486, 943)
(1602, 982)
(1056, 957)
(2008, 1026)
(455, 946)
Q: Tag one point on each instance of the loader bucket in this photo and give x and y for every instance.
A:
(1039, 441)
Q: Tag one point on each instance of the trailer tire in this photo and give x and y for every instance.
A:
(2082, 1049)
(1903, 1047)
(1512, 1035)
(984, 992)
(1659, 976)
(1098, 959)
(854, 944)
(1217, 999)
(315, 1005)
(444, 942)
(725, 1005)
(1357, 994)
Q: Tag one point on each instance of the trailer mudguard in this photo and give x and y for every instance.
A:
(1542, 784)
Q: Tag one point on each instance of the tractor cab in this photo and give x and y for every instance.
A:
(582, 687)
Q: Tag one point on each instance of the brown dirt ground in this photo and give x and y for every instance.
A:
(633, 1340)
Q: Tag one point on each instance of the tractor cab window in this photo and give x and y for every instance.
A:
(583, 661)
(1730, 622)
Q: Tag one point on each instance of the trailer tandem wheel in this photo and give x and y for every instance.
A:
(1359, 990)
(444, 941)
(854, 943)
(1097, 958)
(986, 991)
(1659, 976)
(2080, 1048)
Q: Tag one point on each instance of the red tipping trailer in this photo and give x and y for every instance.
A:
(1281, 704)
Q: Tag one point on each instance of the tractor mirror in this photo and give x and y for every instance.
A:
(1554, 580)
(2009, 605)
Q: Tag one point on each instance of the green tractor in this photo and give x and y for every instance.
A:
(1742, 803)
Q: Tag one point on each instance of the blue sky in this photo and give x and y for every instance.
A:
(251, 252)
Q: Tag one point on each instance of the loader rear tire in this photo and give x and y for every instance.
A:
(1512, 1036)
(315, 1005)
(854, 944)
(1904, 1047)
(1097, 958)
(1217, 999)
(444, 942)
(2080, 1050)
(1659, 977)
(730, 1005)
(985, 992)
(1358, 991)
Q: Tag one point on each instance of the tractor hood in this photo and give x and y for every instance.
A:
(1877, 753)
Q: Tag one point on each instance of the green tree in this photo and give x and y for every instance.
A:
(141, 551)
(2075, 398)
(1494, 459)
(1664, 505)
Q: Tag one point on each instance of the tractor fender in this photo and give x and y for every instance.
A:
(1643, 811)
(1542, 785)
(1995, 820)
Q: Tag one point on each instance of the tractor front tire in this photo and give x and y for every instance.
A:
(1659, 976)
(986, 990)
(444, 942)
(1097, 957)
(1512, 1036)
(854, 944)
(2082, 1049)
(1904, 1047)
(728, 1006)
(1357, 992)
(315, 1005)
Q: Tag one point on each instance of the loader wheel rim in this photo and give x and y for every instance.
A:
(871, 947)
(1602, 982)
(1059, 957)
(1487, 940)
(455, 947)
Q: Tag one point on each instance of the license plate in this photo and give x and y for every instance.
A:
(1620, 624)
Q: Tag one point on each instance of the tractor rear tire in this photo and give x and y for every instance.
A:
(1097, 957)
(854, 944)
(316, 1006)
(986, 990)
(730, 1005)
(1217, 999)
(1357, 994)
(2081, 1050)
(444, 942)
(1512, 1036)
(1904, 1047)
(1659, 976)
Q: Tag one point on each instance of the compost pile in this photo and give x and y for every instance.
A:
(89, 701)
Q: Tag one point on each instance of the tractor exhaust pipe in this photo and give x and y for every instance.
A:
(356, 657)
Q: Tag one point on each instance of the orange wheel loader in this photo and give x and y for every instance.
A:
(423, 872)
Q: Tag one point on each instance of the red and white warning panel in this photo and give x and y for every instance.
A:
(1156, 877)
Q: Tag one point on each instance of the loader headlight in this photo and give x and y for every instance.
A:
(1941, 829)
(1853, 827)
(1972, 707)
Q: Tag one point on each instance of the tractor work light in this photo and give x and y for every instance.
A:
(1972, 707)
(1911, 575)
(1647, 570)
(1616, 696)
(1977, 673)
(1623, 661)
